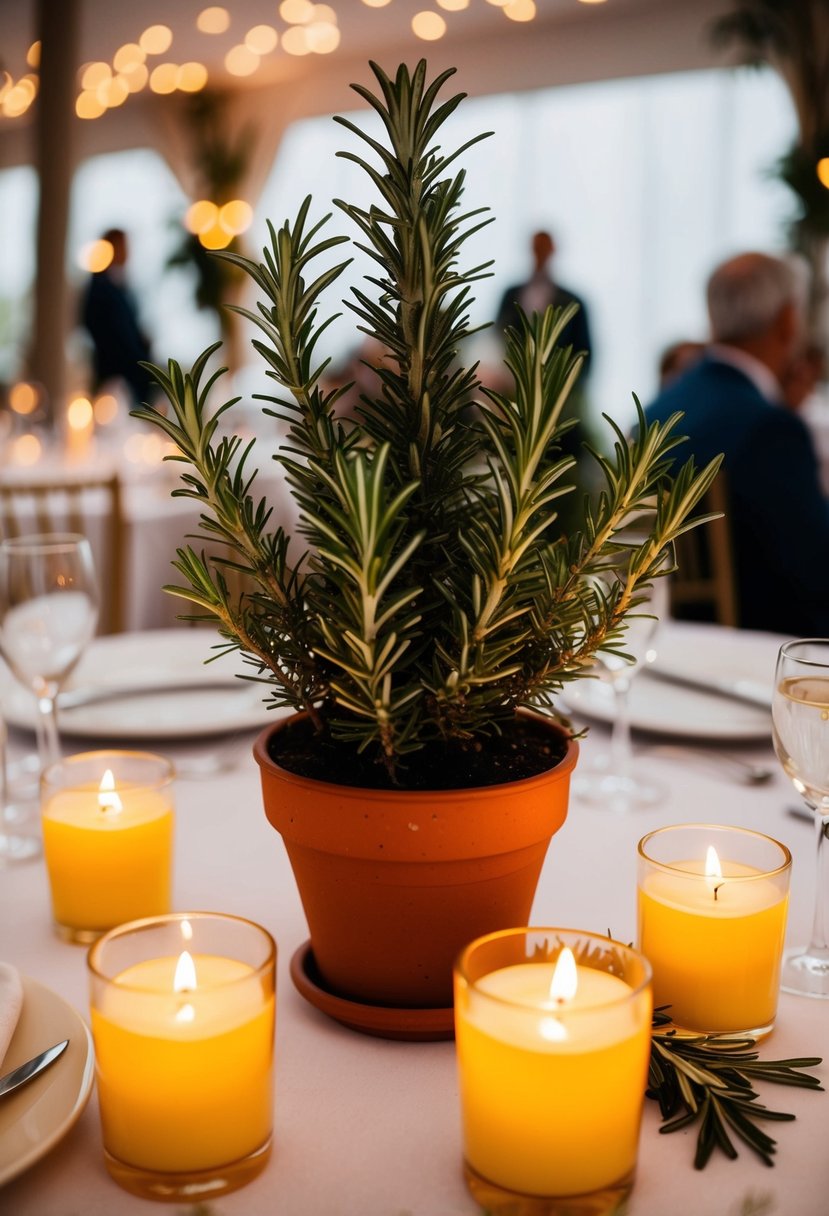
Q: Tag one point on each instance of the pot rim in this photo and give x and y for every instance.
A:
(265, 762)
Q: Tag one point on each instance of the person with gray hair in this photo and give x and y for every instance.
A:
(734, 403)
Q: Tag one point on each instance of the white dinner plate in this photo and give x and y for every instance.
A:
(670, 709)
(209, 700)
(39, 1114)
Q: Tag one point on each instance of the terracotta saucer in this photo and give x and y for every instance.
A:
(414, 1025)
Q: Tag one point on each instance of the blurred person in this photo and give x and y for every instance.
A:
(733, 402)
(539, 292)
(109, 313)
(803, 376)
(677, 358)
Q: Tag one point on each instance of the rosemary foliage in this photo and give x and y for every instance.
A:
(435, 594)
(709, 1080)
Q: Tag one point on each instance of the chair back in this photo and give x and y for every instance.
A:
(703, 588)
(91, 506)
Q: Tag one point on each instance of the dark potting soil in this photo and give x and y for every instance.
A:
(525, 748)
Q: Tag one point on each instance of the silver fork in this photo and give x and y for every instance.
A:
(748, 771)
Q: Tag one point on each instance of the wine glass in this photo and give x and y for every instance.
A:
(48, 614)
(609, 779)
(18, 841)
(800, 722)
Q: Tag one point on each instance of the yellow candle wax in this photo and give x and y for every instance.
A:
(552, 1092)
(715, 960)
(108, 854)
(185, 1078)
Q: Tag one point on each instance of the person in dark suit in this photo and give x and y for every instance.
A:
(733, 402)
(540, 291)
(109, 314)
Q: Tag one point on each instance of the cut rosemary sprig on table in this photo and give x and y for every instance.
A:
(710, 1079)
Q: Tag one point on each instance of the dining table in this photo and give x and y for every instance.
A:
(372, 1126)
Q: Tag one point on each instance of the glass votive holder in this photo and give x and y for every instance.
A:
(107, 822)
(553, 1032)
(183, 1013)
(712, 906)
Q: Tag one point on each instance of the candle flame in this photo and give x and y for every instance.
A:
(108, 800)
(713, 870)
(184, 979)
(564, 983)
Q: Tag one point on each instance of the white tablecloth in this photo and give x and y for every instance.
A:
(370, 1127)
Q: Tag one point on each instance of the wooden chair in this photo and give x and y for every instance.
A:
(91, 506)
(703, 587)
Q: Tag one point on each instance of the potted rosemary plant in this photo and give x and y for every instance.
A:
(438, 609)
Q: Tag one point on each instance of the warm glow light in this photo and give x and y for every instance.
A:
(823, 171)
(128, 56)
(428, 26)
(498, 3)
(295, 41)
(296, 12)
(112, 92)
(184, 979)
(108, 799)
(33, 55)
(23, 398)
(241, 61)
(156, 39)
(376, 3)
(191, 77)
(96, 256)
(324, 12)
(79, 415)
(163, 78)
(187, 930)
(565, 981)
(235, 216)
(520, 10)
(591, 1)
(26, 450)
(453, 6)
(323, 37)
(95, 74)
(215, 237)
(213, 20)
(6, 83)
(88, 106)
(135, 78)
(201, 216)
(29, 85)
(16, 102)
(105, 409)
(261, 39)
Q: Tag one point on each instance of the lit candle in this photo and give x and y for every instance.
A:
(184, 1052)
(712, 919)
(107, 839)
(553, 1063)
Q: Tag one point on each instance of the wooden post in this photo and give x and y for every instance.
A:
(55, 161)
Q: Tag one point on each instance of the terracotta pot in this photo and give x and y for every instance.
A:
(394, 883)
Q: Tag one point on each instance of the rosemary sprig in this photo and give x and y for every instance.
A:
(709, 1080)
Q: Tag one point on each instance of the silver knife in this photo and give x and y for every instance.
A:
(19, 1076)
(751, 692)
(76, 698)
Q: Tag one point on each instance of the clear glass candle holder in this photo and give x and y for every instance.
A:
(553, 1056)
(107, 821)
(712, 920)
(183, 1013)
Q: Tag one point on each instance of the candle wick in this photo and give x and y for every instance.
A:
(716, 889)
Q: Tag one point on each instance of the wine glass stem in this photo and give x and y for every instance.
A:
(621, 751)
(48, 738)
(819, 944)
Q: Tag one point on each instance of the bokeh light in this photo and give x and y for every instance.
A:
(235, 216)
(201, 216)
(295, 41)
(79, 414)
(26, 450)
(94, 74)
(88, 105)
(156, 39)
(823, 171)
(128, 56)
(520, 10)
(241, 61)
(297, 12)
(428, 26)
(96, 256)
(215, 237)
(323, 37)
(105, 409)
(164, 78)
(23, 398)
(191, 77)
(33, 55)
(214, 20)
(262, 39)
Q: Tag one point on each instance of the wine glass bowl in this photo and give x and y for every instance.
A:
(800, 730)
(48, 615)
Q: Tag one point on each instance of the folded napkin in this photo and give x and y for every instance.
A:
(11, 1002)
